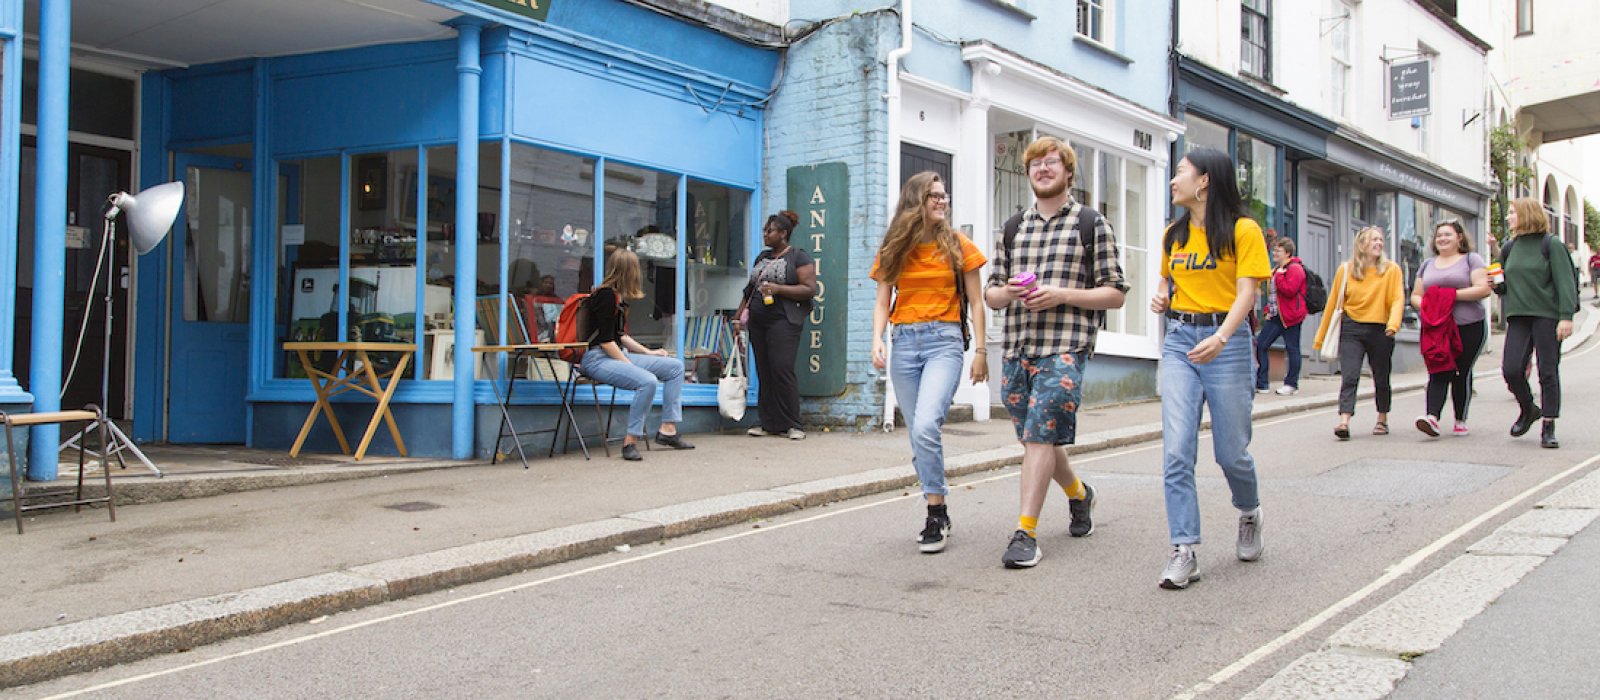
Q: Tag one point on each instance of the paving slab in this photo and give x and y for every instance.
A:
(1421, 617)
(1334, 675)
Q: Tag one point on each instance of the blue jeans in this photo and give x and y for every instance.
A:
(1270, 330)
(925, 366)
(1224, 385)
(640, 374)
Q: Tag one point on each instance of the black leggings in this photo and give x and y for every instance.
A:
(776, 342)
(1526, 336)
(1458, 382)
(1368, 340)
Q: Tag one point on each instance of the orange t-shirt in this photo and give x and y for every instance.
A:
(926, 290)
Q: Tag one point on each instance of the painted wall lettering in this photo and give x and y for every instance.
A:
(821, 193)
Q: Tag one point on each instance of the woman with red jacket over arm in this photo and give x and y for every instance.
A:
(1286, 311)
(1458, 279)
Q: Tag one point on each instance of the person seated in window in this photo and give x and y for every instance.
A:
(617, 359)
(546, 291)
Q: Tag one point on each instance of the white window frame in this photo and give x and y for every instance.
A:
(1340, 66)
(1101, 32)
(1246, 9)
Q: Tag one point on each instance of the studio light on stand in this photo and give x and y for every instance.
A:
(149, 216)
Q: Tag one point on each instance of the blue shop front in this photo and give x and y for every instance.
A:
(445, 194)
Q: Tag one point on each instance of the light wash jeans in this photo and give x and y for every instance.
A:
(1224, 384)
(640, 377)
(925, 366)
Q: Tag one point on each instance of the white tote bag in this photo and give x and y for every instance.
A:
(1330, 340)
(731, 389)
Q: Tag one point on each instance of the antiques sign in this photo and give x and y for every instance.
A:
(820, 194)
(536, 9)
(1409, 92)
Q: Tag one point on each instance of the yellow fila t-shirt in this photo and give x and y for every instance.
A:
(926, 290)
(1206, 285)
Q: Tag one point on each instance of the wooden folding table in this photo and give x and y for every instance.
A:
(362, 378)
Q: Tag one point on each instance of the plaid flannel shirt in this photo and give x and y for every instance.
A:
(1051, 249)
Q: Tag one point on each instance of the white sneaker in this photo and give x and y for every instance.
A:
(1249, 546)
(1287, 390)
(1182, 568)
(796, 434)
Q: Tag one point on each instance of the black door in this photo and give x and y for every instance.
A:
(915, 159)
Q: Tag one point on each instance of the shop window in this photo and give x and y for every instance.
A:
(381, 302)
(1200, 132)
(308, 256)
(718, 230)
(433, 199)
(1255, 39)
(1013, 194)
(641, 210)
(1135, 237)
(1083, 181)
(1258, 179)
(550, 248)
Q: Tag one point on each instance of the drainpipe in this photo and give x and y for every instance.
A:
(469, 74)
(49, 234)
(892, 149)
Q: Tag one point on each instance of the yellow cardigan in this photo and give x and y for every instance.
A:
(1379, 298)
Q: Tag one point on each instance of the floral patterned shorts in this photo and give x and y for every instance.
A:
(1042, 395)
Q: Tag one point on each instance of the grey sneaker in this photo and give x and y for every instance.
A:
(757, 431)
(1182, 568)
(1082, 514)
(796, 434)
(1249, 547)
(934, 535)
(1023, 552)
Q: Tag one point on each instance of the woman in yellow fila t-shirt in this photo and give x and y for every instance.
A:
(916, 270)
(1373, 298)
(1212, 258)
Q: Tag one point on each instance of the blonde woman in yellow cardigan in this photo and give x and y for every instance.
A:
(1373, 299)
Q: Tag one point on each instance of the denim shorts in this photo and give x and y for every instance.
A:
(1042, 395)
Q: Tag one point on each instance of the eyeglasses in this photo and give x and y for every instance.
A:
(939, 196)
(1050, 162)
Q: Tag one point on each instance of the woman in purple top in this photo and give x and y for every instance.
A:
(1454, 265)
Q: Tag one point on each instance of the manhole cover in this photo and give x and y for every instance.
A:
(414, 506)
(281, 461)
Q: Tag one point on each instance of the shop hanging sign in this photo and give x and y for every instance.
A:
(1409, 89)
(820, 194)
(536, 9)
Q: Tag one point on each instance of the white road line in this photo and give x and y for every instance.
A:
(601, 567)
(1403, 568)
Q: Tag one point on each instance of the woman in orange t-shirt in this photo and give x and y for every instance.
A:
(919, 268)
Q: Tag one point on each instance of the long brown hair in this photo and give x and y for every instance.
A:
(622, 275)
(909, 224)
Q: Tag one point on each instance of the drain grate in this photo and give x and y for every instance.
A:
(414, 506)
(281, 461)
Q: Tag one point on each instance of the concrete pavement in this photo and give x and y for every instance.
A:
(171, 575)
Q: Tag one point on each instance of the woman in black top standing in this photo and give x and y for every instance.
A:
(778, 297)
(615, 358)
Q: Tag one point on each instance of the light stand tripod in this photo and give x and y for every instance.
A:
(151, 214)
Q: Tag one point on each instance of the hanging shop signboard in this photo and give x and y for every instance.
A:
(1409, 89)
(537, 9)
(820, 194)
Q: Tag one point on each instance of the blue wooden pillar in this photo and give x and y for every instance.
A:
(469, 75)
(11, 393)
(49, 233)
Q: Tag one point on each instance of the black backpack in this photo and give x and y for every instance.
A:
(1087, 217)
(1316, 291)
(1544, 247)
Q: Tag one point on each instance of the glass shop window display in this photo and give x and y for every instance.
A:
(307, 257)
(641, 215)
(550, 248)
(718, 225)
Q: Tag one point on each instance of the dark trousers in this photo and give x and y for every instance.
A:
(775, 343)
(1358, 341)
(1526, 336)
(1458, 382)
(1270, 330)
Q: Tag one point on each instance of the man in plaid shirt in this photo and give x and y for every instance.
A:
(1051, 323)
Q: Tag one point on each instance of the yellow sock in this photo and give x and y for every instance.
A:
(1076, 491)
(1028, 525)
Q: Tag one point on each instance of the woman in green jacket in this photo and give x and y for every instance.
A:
(1541, 293)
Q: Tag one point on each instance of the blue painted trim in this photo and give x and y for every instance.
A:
(469, 72)
(504, 230)
(264, 176)
(50, 233)
(10, 171)
(150, 336)
(343, 297)
(418, 372)
(681, 274)
(599, 234)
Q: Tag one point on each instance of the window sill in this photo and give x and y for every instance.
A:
(1019, 7)
(1102, 48)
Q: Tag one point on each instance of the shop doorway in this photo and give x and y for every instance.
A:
(915, 159)
(210, 301)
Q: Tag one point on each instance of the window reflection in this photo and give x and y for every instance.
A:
(718, 230)
(550, 250)
(308, 256)
(641, 214)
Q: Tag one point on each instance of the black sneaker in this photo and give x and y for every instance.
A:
(934, 534)
(1023, 552)
(1082, 513)
(630, 452)
(674, 441)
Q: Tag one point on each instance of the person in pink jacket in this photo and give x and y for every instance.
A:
(1286, 311)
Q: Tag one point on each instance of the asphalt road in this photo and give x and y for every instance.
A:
(837, 601)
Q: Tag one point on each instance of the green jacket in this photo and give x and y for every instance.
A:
(1539, 287)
